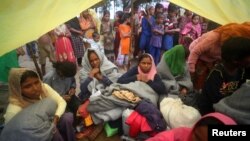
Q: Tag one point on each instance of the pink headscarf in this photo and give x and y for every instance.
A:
(151, 74)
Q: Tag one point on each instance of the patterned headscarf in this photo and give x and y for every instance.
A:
(15, 91)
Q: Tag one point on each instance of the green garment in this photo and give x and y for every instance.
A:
(175, 59)
(7, 61)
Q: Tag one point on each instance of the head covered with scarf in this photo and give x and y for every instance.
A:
(16, 97)
(175, 59)
(151, 74)
(107, 68)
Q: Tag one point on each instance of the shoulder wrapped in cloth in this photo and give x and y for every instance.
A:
(237, 105)
(107, 69)
(111, 107)
(173, 70)
(32, 123)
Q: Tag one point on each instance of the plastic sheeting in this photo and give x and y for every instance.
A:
(219, 11)
(22, 21)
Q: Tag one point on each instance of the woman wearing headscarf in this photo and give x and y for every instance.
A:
(144, 72)
(199, 132)
(26, 88)
(97, 73)
(173, 71)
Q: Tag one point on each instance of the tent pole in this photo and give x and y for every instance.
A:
(132, 35)
(32, 55)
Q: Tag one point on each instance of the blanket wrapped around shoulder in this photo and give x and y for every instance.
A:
(107, 107)
(33, 123)
(173, 83)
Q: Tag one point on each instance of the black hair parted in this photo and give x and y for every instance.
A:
(27, 74)
(66, 68)
(124, 17)
(142, 56)
(235, 49)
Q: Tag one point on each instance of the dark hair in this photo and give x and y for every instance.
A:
(209, 121)
(125, 16)
(194, 15)
(90, 52)
(119, 14)
(104, 13)
(187, 52)
(27, 74)
(158, 5)
(66, 68)
(235, 49)
(158, 15)
(144, 55)
(95, 34)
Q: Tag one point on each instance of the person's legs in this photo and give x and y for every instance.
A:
(65, 127)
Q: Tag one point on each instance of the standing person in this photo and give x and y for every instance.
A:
(156, 38)
(46, 49)
(170, 28)
(228, 76)
(205, 51)
(95, 42)
(147, 22)
(191, 31)
(31, 49)
(106, 32)
(25, 89)
(118, 16)
(64, 50)
(77, 43)
(87, 24)
(125, 34)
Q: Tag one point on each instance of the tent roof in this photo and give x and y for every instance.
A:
(219, 11)
(26, 20)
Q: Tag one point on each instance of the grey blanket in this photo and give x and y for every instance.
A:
(237, 105)
(173, 83)
(33, 123)
(107, 107)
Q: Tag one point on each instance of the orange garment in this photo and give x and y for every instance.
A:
(125, 41)
(233, 30)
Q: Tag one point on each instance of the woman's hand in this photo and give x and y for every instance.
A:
(98, 76)
(56, 119)
(93, 72)
(72, 91)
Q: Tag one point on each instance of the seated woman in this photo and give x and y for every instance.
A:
(26, 88)
(144, 72)
(173, 71)
(97, 73)
(62, 79)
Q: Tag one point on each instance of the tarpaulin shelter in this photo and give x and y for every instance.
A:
(22, 21)
(219, 11)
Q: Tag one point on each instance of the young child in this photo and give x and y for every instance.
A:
(170, 28)
(156, 38)
(106, 32)
(125, 34)
(191, 31)
(227, 76)
(95, 42)
(146, 32)
(118, 16)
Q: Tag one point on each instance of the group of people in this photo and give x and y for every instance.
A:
(213, 66)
